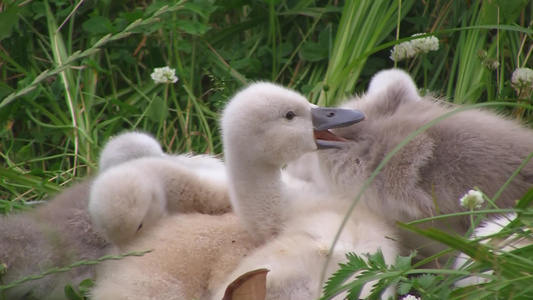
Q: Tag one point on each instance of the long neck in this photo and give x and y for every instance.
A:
(257, 195)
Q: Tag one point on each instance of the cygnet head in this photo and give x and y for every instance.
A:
(275, 125)
(123, 201)
(128, 146)
(383, 81)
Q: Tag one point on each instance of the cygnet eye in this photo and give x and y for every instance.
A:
(290, 115)
(140, 226)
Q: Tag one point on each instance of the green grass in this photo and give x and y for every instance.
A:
(72, 74)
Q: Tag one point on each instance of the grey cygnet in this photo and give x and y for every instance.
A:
(427, 177)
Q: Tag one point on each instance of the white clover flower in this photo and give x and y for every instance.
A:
(164, 75)
(411, 48)
(410, 297)
(402, 51)
(522, 78)
(490, 63)
(425, 44)
(472, 199)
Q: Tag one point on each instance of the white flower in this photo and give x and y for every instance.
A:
(472, 199)
(402, 51)
(487, 61)
(164, 75)
(490, 63)
(425, 44)
(410, 297)
(411, 48)
(522, 78)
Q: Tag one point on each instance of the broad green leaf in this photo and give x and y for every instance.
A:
(98, 25)
(8, 18)
(158, 110)
(202, 10)
(312, 52)
(71, 294)
(403, 263)
(192, 27)
(511, 9)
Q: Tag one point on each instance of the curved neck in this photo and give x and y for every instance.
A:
(257, 195)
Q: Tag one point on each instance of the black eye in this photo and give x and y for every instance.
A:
(140, 226)
(290, 115)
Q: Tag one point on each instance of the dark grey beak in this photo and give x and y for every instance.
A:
(330, 118)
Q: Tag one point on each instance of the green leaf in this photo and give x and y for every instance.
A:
(284, 49)
(201, 9)
(334, 283)
(131, 16)
(312, 52)
(157, 110)
(8, 18)
(98, 25)
(377, 260)
(511, 9)
(403, 263)
(85, 286)
(38, 10)
(250, 65)
(191, 27)
(526, 200)
(426, 280)
(71, 294)
(404, 288)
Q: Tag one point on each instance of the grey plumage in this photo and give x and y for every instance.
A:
(60, 231)
(473, 148)
(54, 234)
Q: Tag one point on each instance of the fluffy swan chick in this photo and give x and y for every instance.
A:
(60, 232)
(132, 145)
(191, 255)
(128, 146)
(500, 244)
(131, 198)
(55, 234)
(194, 254)
(265, 127)
(472, 148)
(139, 184)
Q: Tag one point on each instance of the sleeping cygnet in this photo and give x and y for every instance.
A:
(55, 234)
(128, 146)
(276, 226)
(471, 148)
(60, 231)
(138, 183)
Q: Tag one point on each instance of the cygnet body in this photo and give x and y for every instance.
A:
(132, 197)
(60, 232)
(128, 146)
(263, 129)
(472, 148)
(290, 231)
(55, 234)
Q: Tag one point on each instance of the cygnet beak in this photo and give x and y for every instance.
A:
(325, 118)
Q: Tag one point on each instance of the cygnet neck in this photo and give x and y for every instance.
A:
(257, 194)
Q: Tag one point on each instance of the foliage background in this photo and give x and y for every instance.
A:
(53, 124)
(74, 73)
